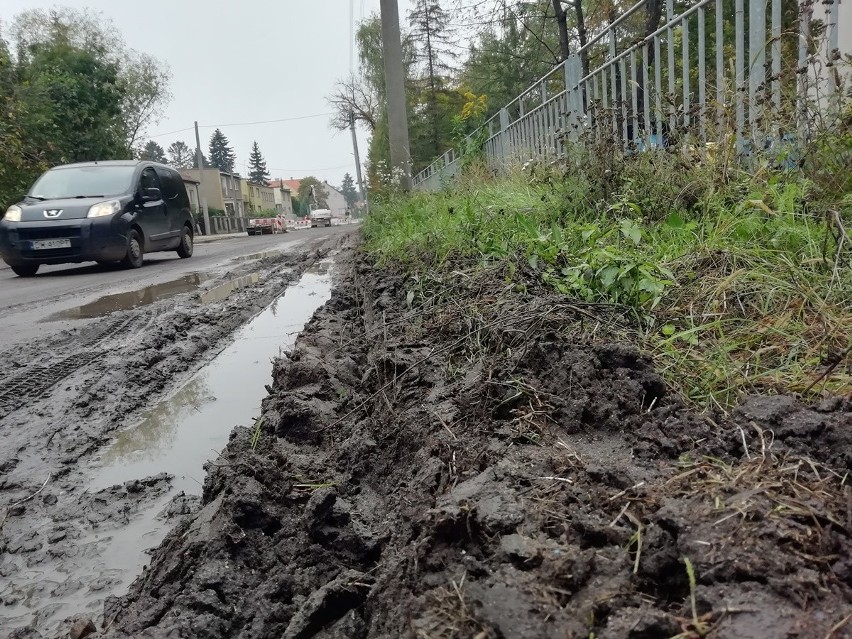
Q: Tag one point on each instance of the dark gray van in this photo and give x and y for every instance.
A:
(112, 211)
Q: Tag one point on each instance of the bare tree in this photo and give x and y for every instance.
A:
(353, 95)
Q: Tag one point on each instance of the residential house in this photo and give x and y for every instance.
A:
(336, 201)
(222, 191)
(283, 198)
(293, 185)
(257, 197)
(193, 190)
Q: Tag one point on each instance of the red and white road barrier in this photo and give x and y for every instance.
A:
(298, 225)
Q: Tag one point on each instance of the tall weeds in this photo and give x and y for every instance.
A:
(739, 271)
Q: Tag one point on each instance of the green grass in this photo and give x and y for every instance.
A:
(735, 283)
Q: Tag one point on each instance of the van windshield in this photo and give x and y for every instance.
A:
(83, 181)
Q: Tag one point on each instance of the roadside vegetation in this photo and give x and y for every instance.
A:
(735, 280)
(71, 90)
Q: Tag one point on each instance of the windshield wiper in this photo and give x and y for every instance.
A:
(83, 197)
(36, 197)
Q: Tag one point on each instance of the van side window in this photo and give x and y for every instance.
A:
(149, 180)
(170, 190)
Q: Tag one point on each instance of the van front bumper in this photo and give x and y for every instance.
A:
(97, 239)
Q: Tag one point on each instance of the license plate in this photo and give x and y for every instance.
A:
(50, 244)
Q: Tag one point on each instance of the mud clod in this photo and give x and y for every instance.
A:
(328, 605)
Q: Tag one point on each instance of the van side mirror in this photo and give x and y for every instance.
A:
(151, 195)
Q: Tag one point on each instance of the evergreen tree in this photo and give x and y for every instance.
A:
(257, 172)
(203, 159)
(432, 37)
(180, 155)
(348, 190)
(153, 152)
(222, 156)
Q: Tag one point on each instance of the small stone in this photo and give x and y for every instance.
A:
(133, 486)
(82, 628)
(56, 536)
(521, 550)
(49, 500)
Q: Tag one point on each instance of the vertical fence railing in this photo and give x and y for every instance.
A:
(680, 80)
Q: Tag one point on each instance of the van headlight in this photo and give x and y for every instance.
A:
(13, 214)
(102, 209)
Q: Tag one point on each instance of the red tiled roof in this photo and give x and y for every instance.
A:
(275, 184)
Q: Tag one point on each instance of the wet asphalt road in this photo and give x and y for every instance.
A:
(26, 303)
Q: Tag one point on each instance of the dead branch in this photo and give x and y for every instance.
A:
(23, 501)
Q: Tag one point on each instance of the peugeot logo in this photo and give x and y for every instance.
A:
(53, 213)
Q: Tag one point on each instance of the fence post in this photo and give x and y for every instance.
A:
(739, 36)
(505, 146)
(805, 10)
(776, 64)
(832, 8)
(720, 70)
(575, 98)
(756, 65)
(671, 65)
(613, 83)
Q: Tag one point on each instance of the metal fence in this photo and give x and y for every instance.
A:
(223, 224)
(699, 76)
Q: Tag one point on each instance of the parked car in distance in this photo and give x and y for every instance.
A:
(112, 211)
(320, 217)
(266, 225)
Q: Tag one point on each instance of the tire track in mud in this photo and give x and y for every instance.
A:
(33, 381)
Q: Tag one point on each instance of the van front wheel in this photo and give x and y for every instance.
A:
(24, 270)
(135, 253)
(186, 246)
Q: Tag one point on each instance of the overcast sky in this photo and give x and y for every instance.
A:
(246, 61)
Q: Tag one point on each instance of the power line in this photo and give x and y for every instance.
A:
(161, 135)
(301, 117)
(328, 168)
(232, 124)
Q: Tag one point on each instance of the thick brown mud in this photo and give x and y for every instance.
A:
(103, 452)
(480, 467)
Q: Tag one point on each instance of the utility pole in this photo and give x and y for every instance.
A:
(361, 186)
(395, 89)
(199, 159)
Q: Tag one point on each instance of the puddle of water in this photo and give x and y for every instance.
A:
(218, 293)
(177, 436)
(190, 427)
(132, 299)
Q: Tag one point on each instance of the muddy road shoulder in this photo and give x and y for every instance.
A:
(424, 472)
